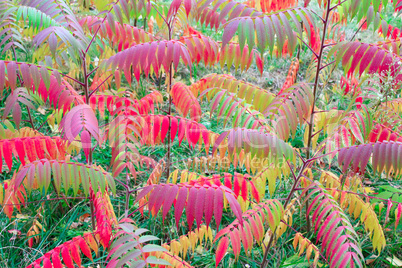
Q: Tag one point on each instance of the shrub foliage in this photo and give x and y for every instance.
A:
(131, 114)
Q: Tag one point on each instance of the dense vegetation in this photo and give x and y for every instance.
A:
(186, 133)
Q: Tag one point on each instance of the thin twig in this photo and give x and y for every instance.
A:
(326, 65)
(292, 191)
(94, 70)
(30, 117)
(322, 256)
(309, 47)
(43, 200)
(353, 37)
(340, 3)
(94, 91)
(99, 26)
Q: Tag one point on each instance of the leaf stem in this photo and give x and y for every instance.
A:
(127, 195)
(264, 262)
(96, 89)
(87, 95)
(99, 26)
(91, 202)
(332, 8)
(170, 106)
(309, 242)
(317, 76)
(30, 117)
(310, 136)
(309, 47)
(319, 60)
(63, 197)
(361, 26)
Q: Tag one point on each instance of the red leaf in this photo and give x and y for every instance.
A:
(65, 253)
(389, 206)
(84, 247)
(218, 206)
(144, 192)
(156, 194)
(227, 181)
(255, 192)
(182, 130)
(2, 76)
(173, 127)
(187, 6)
(384, 135)
(157, 126)
(199, 205)
(193, 133)
(39, 148)
(229, 31)
(374, 133)
(221, 250)
(161, 198)
(7, 153)
(190, 210)
(31, 152)
(205, 137)
(17, 114)
(47, 263)
(398, 214)
(185, 101)
(235, 240)
(75, 253)
(244, 189)
(179, 206)
(260, 63)
(208, 206)
(393, 137)
(236, 184)
(50, 148)
(1, 161)
(165, 128)
(235, 206)
(171, 196)
(12, 74)
(19, 147)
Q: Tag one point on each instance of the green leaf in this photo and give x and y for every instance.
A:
(152, 248)
(155, 260)
(147, 238)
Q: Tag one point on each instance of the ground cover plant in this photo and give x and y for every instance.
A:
(200, 133)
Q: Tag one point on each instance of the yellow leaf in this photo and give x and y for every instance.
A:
(395, 261)
(295, 240)
(308, 252)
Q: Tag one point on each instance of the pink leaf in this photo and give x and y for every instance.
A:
(389, 206)
(218, 206)
(86, 143)
(398, 215)
(235, 206)
(208, 206)
(199, 205)
(190, 210)
(180, 203)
